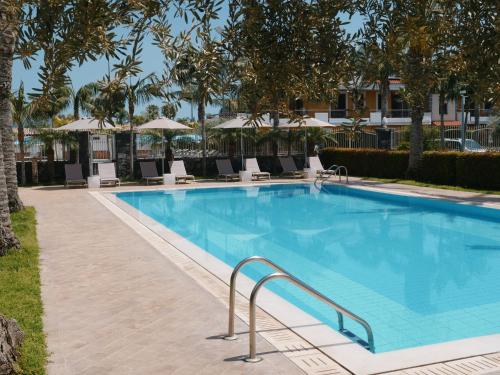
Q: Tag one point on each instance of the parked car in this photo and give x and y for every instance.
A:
(455, 145)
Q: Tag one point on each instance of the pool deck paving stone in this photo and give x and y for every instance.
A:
(114, 305)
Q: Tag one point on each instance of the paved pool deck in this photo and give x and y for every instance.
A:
(114, 305)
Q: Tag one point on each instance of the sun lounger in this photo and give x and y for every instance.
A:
(107, 174)
(226, 170)
(289, 168)
(149, 172)
(74, 175)
(179, 170)
(315, 163)
(251, 165)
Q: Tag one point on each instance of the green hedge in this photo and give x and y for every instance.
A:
(470, 170)
(481, 171)
(368, 163)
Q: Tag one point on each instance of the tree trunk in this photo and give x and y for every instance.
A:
(9, 155)
(20, 139)
(50, 163)
(131, 110)
(201, 120)
(384, 98)
(7, 43)
(76, 107)
(441, 118)
(275, 121)
(416, 142)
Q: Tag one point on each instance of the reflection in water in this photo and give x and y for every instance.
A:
(418, 270)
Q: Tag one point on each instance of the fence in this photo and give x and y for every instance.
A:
(484, 135)
(103, 145)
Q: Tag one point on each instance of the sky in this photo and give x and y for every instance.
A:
(152, 63)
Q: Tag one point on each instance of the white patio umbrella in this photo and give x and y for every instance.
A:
(309, 122)
(163, 124)
(86, 124)
(240, 123)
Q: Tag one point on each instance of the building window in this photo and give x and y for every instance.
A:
(338, 109)
(399, 107)
(379, 102)
(444, 108)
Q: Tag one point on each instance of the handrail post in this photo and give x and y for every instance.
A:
(232, 290)
(232, 296)
(252, 339)
(341, 311)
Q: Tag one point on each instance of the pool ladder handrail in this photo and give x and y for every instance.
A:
(337, 172)
(282, 274)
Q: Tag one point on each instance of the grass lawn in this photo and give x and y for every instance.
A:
(424, 184)
(20, 292)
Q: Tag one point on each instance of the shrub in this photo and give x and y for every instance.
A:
(478, 170)
(438, 168)
(368, 163)
(470, 170)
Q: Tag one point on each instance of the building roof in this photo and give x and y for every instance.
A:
(447, 123)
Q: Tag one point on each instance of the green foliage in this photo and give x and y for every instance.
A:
(354, 129)
(439, 168)
(20, 298)
(478, 170)
(169, 110)
(470, 170)
(368, 163)
(152, 112)
(282, 50)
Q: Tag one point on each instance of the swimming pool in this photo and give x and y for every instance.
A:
(420, 271)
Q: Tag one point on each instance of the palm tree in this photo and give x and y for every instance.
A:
(82, 99)
(8, 37)
(21, 116)
(136, 90)
(196, 65)
(137, 93)
(354, 129)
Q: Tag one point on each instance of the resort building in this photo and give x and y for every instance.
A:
(399, 111)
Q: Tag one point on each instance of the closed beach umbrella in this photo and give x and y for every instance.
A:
(240, 123)
(163, 124)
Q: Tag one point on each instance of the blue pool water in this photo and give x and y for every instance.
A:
(420, 271)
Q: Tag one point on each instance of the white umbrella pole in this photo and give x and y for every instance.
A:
(163, 151)
(305, 148)
(241, 147)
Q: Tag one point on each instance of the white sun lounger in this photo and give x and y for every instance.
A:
(315, 163)
(107, 174)
(251, 165)
(178, 169)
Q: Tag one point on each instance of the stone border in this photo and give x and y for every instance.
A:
(329, 341)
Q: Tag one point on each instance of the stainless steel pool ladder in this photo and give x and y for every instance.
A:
(337, 172)
(281, 274)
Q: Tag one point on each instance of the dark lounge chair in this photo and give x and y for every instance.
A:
(149, 172)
